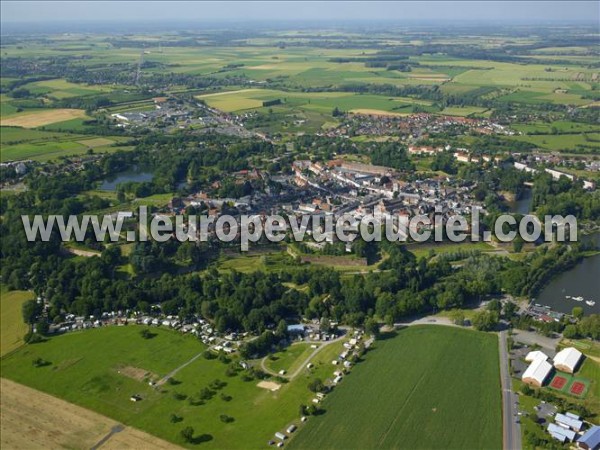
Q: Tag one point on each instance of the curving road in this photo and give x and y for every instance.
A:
(322, 345)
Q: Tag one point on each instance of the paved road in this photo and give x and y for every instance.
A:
(301, 367)
(510, 401)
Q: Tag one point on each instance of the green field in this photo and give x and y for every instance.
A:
(60, 88)
(323, 102)
(563, 141)
(40, 145)
(429, 387)
(13, 328)
(424, 249)
(85, 369)
(290, 358)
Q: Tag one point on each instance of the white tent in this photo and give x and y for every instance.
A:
(536, 354)
(537, 372)
(567, 359)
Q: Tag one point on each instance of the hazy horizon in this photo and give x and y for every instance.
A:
(65, 12)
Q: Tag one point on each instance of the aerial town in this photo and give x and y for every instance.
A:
(251, 225)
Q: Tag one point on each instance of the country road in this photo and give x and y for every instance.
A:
(510, 401)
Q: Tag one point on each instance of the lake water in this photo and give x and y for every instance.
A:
(582, 280)
(137, 175)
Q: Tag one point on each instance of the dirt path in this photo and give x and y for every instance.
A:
(172, 373)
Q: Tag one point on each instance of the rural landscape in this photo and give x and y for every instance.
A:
(318, 342)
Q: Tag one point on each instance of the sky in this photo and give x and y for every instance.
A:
(242, 11)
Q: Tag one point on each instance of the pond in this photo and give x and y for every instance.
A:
(138, 175)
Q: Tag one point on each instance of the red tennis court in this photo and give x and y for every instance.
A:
(558, 382)
(577, 388)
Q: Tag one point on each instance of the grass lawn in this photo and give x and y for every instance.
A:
(428, 387)
(41, 151)
(290, 358)
(422, 249)
(85, 369)
(13, 328)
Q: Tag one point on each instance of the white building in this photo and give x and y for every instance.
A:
(537, 372)
(568, 422)
(536, 354)
(567, 359)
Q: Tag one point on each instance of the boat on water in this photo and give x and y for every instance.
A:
(578, 299)
(568, 296)
(590, 302)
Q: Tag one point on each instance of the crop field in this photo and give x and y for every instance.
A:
(60, 89)
(13, 328)
(415, 390)
(41, 145)
(323, 102)
(34, 119)
(562, 141)
(34, 420)
(84, 369)
(41, 150)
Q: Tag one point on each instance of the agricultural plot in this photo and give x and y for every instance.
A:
(322, 102)
(13, 329)
(41, 145)
(60, 89)
(41, 150)
(34, 420)
(429, 387)
(564, 142)
(38, 118)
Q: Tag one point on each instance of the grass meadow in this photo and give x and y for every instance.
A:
(13, 329)
(84, 370)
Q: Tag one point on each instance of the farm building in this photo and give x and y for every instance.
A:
(568, 421)
(567, 359)
(561, 434)
(591, 439)
(291, 428)
(536, 354)
(537, 372)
